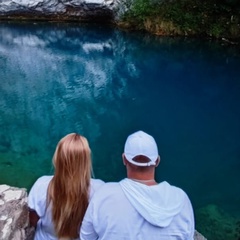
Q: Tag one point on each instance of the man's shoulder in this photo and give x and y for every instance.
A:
(108, 189)
(96, 182)
(166, 185)
(111, 186)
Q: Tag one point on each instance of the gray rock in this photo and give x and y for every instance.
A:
(14, 213)
(90, 10)
(198, 236)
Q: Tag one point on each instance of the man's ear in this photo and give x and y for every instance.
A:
(124, 159)
(158, 160)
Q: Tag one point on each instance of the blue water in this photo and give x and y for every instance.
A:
(105, 84)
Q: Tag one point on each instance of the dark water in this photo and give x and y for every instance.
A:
(105, 84)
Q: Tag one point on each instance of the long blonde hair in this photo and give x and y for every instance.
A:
(68, 190)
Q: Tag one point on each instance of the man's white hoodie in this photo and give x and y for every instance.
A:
(158, 204)
(130, 210)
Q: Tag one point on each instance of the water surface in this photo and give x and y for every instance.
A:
(106, 84)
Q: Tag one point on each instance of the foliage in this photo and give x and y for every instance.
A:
(214, 18)
(140, 11)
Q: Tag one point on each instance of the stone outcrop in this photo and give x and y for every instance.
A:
(198, 236)
(14, 214)
(78, 10)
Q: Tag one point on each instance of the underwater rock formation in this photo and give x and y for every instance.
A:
(216, 224)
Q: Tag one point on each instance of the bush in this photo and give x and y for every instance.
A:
(189, 17)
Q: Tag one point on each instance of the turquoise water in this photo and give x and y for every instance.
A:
(106, 84)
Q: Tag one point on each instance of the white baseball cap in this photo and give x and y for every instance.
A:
(141, 143)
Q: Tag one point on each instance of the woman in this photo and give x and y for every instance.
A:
(58, 203)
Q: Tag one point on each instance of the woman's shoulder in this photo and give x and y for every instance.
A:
(38, 193)
(43, 180)
(41, 184)
(95, 185)
(96, 182)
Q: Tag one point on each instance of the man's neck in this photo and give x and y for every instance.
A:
(144, 178)
(148, 182)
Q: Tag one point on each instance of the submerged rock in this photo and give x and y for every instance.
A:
(216, 224)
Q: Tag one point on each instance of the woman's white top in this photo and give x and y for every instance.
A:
(37, 199)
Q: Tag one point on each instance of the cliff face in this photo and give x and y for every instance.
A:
(85, 10)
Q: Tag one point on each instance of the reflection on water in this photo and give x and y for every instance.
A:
(105, 84)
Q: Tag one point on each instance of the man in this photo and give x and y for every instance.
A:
(139, 208)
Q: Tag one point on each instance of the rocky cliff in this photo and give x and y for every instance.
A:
(78, 10)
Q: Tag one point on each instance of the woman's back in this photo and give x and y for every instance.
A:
(58, 203)
(37, 200)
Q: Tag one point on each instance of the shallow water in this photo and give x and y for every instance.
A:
(106, 84)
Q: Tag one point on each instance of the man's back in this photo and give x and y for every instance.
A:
(133, 211)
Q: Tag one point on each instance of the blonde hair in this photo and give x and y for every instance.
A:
(68, 191)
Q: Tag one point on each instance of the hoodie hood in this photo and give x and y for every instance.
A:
(157, 204)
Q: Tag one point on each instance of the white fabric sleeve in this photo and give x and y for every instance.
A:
(191, 220)
(37, 196)
(87, 231)
(192, 225)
